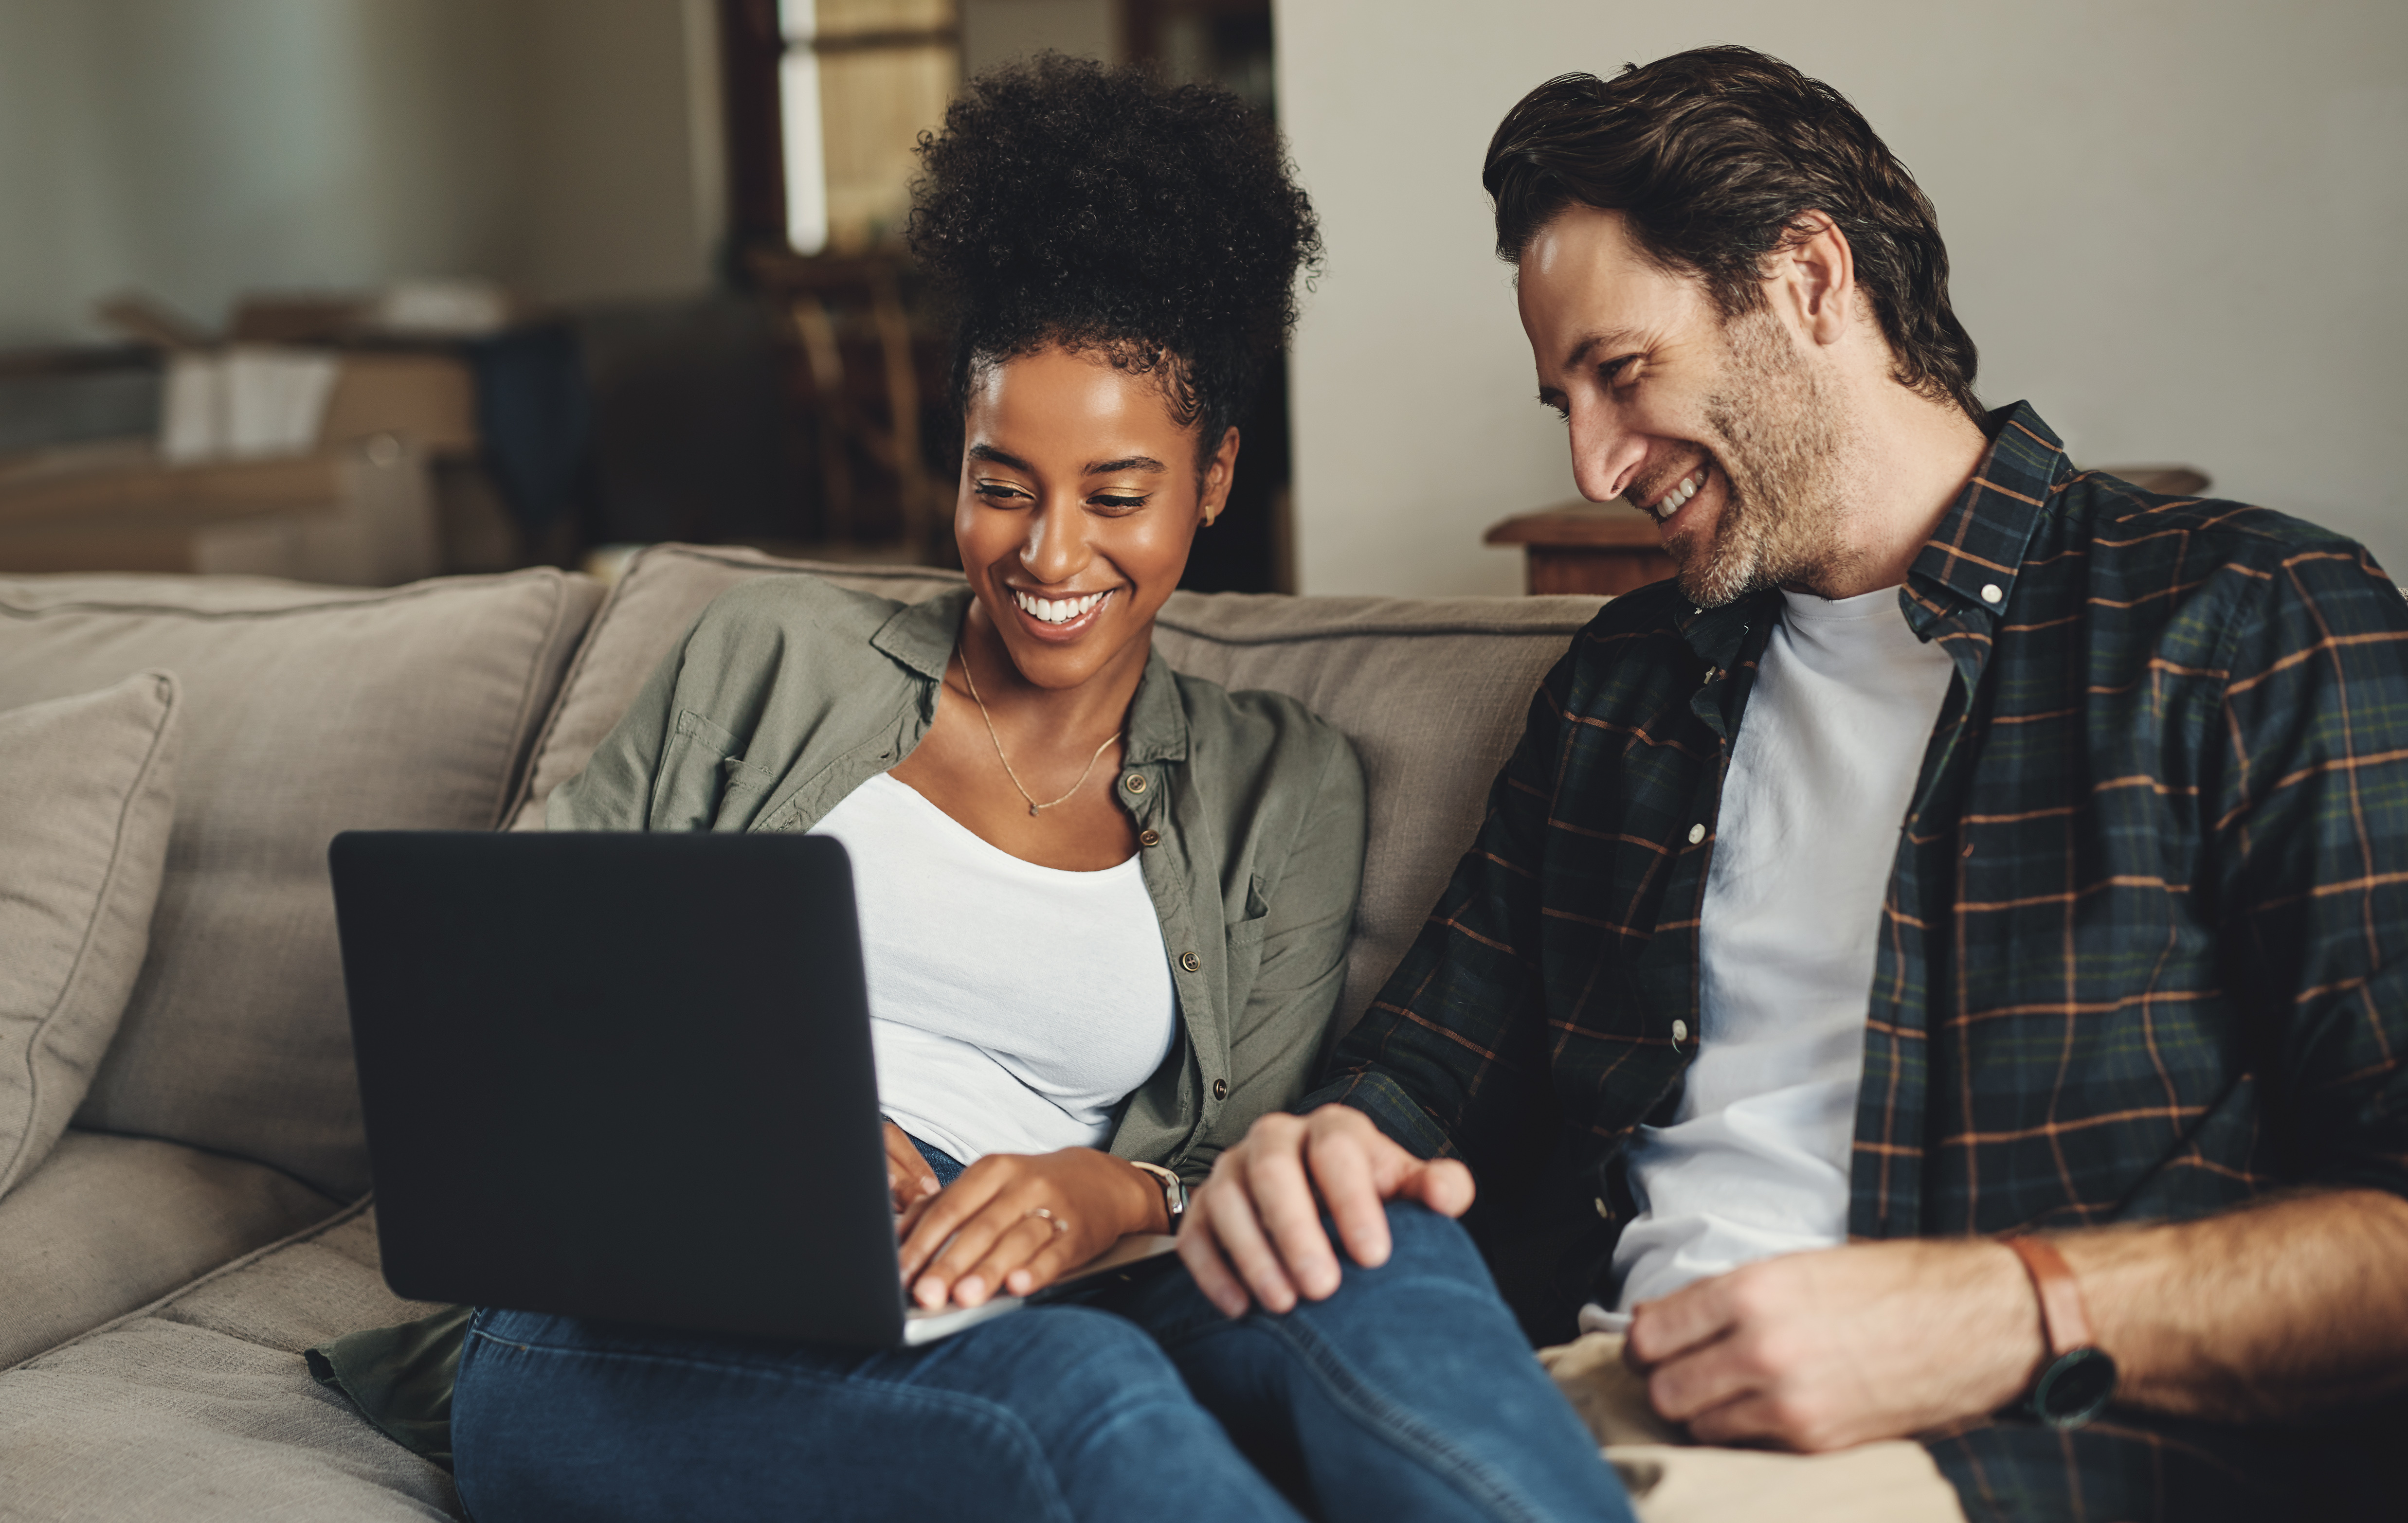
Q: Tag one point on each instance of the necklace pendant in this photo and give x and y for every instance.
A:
(1032, 811)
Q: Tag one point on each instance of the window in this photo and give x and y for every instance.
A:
(858, 82)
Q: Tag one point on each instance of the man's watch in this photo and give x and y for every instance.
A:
(1174, 1191)
(2081, 1376)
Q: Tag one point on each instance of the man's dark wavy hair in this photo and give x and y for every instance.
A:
(1711, 156)
(1158, 226)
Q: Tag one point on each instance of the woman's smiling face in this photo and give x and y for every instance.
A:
(1080, 497)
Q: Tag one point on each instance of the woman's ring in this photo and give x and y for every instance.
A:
(1057, 1223)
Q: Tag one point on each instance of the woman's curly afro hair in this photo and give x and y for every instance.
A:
(1067, 204)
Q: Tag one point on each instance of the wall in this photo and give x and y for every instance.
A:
(197, 149)
(621, 166)
(2172, 223)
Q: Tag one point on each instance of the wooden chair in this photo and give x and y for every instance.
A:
(826, 299)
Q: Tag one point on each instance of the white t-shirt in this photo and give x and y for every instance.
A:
(1011, 1006)
(1757, 1160)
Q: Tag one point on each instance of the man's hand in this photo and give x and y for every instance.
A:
(1823, 1350)
(1255, 1225)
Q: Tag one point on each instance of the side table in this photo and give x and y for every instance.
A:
(1605, 549)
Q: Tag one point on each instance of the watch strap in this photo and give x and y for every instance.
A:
(2064, 1317)
(1174, 1189)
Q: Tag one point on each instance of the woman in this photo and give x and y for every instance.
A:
(1104, 906)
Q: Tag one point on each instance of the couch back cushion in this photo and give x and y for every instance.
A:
(87, 794)
(305, 711)
(1432, 692)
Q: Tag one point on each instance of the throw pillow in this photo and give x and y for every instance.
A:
(87, 790)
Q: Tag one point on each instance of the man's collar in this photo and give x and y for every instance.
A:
(1970, 561)
(1977, 551)
(922, 635)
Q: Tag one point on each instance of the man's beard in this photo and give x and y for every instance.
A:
(1779, 439)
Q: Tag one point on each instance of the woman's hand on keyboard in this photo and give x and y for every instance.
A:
(1019, 1222)
(908, 1179)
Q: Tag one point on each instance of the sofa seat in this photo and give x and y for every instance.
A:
(200, 1408)
(106, 1224)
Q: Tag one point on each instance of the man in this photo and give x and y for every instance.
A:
(1790, 1088)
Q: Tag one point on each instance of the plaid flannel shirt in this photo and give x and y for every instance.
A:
(2142, 955)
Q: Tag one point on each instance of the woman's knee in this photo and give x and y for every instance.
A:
(1060, 1359)
(598, 1427)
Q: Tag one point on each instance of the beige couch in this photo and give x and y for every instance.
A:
(203, 1219)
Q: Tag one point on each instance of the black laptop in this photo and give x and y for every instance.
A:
(627, 1077)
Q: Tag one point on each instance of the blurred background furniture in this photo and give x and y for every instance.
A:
(865, 371)
(170, 455)
(1606, 548)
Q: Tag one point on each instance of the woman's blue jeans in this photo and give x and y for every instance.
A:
(1410, 1394)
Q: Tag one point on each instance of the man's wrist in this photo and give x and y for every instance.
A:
(2078, 1376)
(2017, 1335)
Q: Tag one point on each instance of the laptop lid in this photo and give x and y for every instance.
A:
(624, 1076)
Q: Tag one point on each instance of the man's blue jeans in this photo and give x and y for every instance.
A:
(1410, 1394)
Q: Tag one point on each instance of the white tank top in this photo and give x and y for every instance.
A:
(1011, 1006)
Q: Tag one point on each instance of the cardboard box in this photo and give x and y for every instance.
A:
(350, 517)
(429, 399)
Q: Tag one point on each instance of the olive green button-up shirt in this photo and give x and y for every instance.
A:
(788, 694)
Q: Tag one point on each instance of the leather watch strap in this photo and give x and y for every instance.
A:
(2062, 1314)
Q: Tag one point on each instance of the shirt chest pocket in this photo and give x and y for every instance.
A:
(704, 778)
(1245, 933)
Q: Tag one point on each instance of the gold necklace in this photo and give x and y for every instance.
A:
(1033, 806)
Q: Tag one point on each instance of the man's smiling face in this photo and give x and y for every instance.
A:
(1723, 431)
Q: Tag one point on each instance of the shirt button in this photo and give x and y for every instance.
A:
(1134, 783)
(1697, 834)
(1149, 838)
(1220, 1089)
(1190, 962)
(1992, 592)
(1680, 1031)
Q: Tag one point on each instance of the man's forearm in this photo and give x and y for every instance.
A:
(2265, 1313)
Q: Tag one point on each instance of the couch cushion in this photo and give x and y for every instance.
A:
(200, 1409)
(107, 1224)
(1432, 692)
(306, 711)
(87, 790)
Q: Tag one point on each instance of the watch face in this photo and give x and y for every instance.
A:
(2073, 1390)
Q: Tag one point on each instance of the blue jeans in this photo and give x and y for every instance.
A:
(1410, 1394)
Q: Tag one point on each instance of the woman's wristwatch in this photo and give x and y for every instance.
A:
(2080, 1376)
(1174, 1191)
